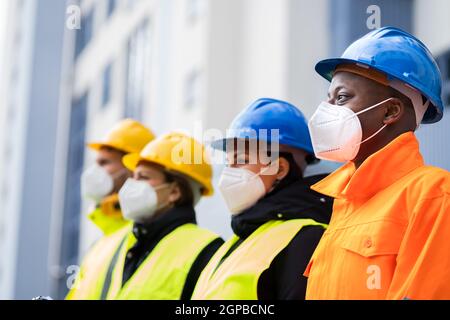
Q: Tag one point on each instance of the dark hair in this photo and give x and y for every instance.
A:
(187, 195)
(294, 169)
(294, 174)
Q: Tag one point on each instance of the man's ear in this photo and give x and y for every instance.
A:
(394, 111)
(283, 168)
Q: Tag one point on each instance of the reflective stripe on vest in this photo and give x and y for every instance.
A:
(163, 273)
(89, 282)
(236, 278)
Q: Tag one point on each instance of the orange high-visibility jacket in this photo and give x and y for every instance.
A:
(389, 235)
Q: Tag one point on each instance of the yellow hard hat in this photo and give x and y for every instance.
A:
(179, 153)
(128, 136)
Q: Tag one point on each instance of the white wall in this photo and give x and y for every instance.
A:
(432, 23)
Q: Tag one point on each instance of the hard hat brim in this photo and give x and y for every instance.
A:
(131, 161)
(98, 145)
(221, 145)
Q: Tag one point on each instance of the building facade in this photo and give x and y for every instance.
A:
(30, 81)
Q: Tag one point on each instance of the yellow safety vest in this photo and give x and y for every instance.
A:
(237, 277)
(89, 282)
(107, 217)
(163, 273)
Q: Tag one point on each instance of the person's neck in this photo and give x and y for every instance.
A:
(375, 147)
(156, 216)
(360, 160)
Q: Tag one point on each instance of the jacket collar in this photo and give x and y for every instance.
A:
(293, 201)
(107, 215)
(110, 206)
(377, 172)
(164, 224)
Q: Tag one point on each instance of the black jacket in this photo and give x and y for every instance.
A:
(284, 279)
(150, 234)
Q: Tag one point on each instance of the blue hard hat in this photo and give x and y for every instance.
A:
(270, 114)
(399, 55)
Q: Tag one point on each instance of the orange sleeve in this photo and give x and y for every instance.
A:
(423, 261)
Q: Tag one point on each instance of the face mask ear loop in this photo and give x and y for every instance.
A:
(267, 169)
(374, 106)
(373, 135)
(160, 187)
(368, 109)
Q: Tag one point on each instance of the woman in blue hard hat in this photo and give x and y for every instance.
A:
(276, 219)
(388, 238)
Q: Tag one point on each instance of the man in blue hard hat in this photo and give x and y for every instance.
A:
(277, 219)
(388, 237)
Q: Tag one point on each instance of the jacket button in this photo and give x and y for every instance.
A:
(368, 243)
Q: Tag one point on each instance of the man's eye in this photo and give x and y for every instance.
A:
(341, 98)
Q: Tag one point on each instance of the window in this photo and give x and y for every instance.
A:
(84, 34)
(107, 82)
(112, 5)
(192, 90)
(348, 20)
(72, 199)
(137, 71)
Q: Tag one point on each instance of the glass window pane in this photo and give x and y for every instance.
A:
(84, 34)
(112, 4)
(138, 65)
(107, 82)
